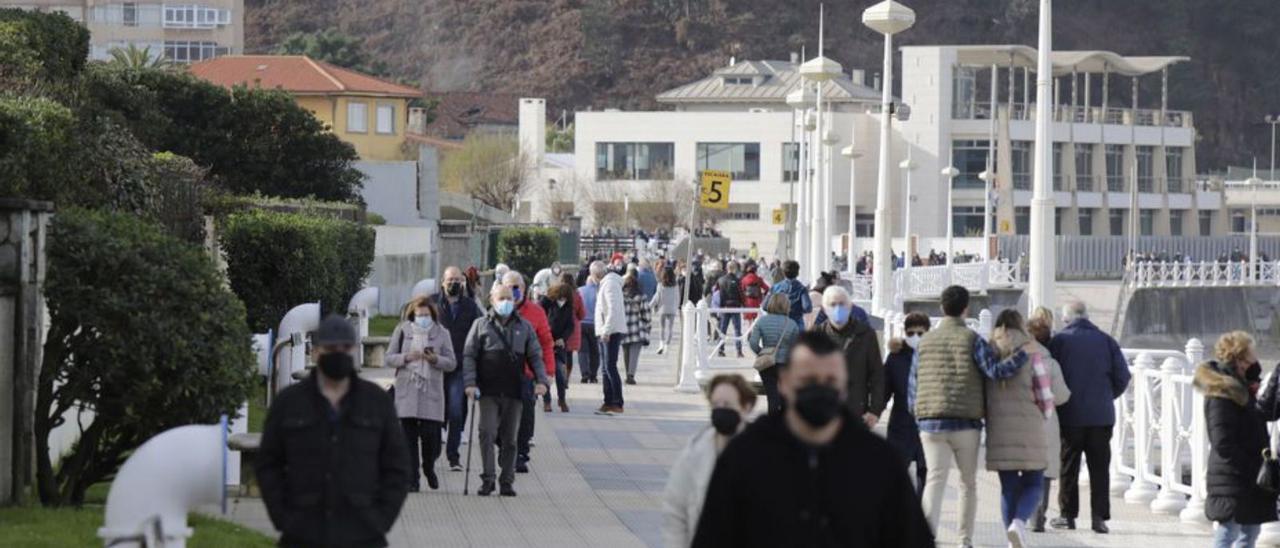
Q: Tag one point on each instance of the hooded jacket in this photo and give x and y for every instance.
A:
(1237, 435)
(611, 313)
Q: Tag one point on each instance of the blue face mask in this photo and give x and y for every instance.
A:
(516, 293)
(504, 308)
(839, 314)
(423, 322)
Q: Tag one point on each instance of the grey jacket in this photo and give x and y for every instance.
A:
(523, 338)
(420, 385)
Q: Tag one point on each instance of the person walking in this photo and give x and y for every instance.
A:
(457, 311)
(573, 344)
(558, 304)
(770, 339)
(754, 290)
(532, 313)
(589, 356)
(666, 305)
(903, 433)
(731, 400)
(795, 291)
(946, 394)
(648, 279)
(812, 476)
(1017, 411)
(1237, 427)
(501, 348)
(333, 467)
(730, 289)
(421, 351)
(1097, 374)
(861, 348)
(1040, 327)
(611, 326)
(636, 308)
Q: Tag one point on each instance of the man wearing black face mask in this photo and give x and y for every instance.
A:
(813, 475)
(457, 313)
(333, 466)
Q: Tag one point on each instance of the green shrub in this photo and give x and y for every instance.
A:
(142, 332)
(528, 250)
(37, 136)
(276, 261)
(59, 43)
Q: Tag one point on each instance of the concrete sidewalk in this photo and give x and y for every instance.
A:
(598, 480)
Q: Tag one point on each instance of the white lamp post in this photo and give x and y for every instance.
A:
(1253, 183)
(800, 99)
(819, 70)
(1274, 120)
(887, 18)
(907, 166)
(988, 177)
(827, 205)
(950, 173)
(1042, 271)
(852, 154)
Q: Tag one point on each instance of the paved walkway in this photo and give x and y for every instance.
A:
(597, 481)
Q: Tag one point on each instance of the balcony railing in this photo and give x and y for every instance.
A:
(1084, 182)
(1115, 183)
(1059, 182)
(1146, 184)
(1022, 181)
(1082, 115)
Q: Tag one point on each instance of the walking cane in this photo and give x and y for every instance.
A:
(471, 439)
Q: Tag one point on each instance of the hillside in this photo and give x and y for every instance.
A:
(619, 53)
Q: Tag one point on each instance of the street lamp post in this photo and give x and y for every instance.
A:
(852, 154)
(1042, 271)
(819, 70)
(988, 177)
(800, 99)
(950, 173)
(907, 166)
(1273, 120)
(887, 18)
(829, 142)
(1253, 183)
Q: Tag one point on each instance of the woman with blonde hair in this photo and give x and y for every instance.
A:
(421, 351)
(1040, 327)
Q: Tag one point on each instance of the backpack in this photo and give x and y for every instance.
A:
(753, 290)
(730, 292)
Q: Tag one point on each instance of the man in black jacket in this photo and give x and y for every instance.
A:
(457, 313)
(814, 475)
(333, 465)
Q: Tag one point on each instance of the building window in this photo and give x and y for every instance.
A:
(964, 95)
(1115, 168)
(357, 117)
(195, 17)
(634, 161)
(1147, 222)
(180, 51)
(1175, 222)
(966, 221)
(742, 160)
(1086, 222)
(1173, 169)
(1239, 224)
(1058, 214)
(1022, 220)
(1206, 223)
(790, 162)
(1146, 168)
(386, 120)
(1116, 220)
(130, 14)
(970, 158)
(1084, 167)
(1022, 165)
(739, 80)
(1058, 183)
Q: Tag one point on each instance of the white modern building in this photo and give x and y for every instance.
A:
(1109, 154)
(184, 32)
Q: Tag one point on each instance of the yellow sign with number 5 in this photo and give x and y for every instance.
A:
(715, 189)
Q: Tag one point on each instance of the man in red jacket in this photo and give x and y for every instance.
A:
(533, 313)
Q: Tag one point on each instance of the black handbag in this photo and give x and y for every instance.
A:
(1269, 472)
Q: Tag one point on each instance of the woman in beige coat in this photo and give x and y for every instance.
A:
(421, 351)
(1040, 326)
(1017, 427)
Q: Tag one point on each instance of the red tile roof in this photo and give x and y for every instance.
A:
(460, 111)
(296, 74)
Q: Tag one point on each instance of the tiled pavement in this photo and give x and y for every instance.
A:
(597, 481)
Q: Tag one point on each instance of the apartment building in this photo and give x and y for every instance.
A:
(183, 32)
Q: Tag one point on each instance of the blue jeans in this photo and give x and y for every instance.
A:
(1230, 534)
(455, 413)
(1020, 494)
(737, 329)
(612, 383)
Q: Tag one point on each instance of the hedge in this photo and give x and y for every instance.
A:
(528, 250)
(276, 261)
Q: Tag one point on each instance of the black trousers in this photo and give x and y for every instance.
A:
(1094, 442)
(527, 402)
(424, 433)
(769, 377)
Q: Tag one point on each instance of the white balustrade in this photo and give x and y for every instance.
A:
(1142, 490)
(688, 350)
(1205, 274)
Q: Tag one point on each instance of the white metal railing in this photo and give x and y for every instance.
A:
(702, 344)
(929, 281)
(1205, 274)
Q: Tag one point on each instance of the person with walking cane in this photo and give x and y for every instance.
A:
(498, 347)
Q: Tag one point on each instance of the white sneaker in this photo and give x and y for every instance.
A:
(1017, 534)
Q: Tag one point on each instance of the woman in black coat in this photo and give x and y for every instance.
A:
(558, 303)
(1237, 426)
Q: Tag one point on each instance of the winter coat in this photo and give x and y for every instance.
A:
(768, 332)
(770, 489)
(801, 304)
(1237, 435)
(333, 483)
(686, 487)
(559, 318)
(1016, 438)
(1053, 432)
(638, 324)
(903, 431)
(420, 385)
(666, 301)
(457, 318)
(486, 363)
(574, 342)
(1095, 371)
(611, 315)
(648, 281)
(531, 312)
(862, 359)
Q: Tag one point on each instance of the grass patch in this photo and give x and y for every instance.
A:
(382, 326)
(37, 527)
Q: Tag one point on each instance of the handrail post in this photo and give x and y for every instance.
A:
(700, 333)
(1194, 512)
(1169, 501)
(1141, 491)
(985, 323)
(690, 347)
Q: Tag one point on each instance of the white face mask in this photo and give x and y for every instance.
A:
(913, 341)
(560, 302)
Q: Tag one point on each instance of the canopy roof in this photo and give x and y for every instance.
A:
(1064, 62)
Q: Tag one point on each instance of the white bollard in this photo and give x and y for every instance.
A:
(1141, 491)
(688, 350)
(701, 357)
(1194, 512)
(1169, 501)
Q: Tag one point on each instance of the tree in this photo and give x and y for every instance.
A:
(134, 57)
(59, 43)
(527, 250)
(489, 168)
(143, 334)
(333, 47)
(560, 140)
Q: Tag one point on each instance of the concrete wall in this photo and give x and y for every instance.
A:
(392, 190)
(7, 310)
(402, 256)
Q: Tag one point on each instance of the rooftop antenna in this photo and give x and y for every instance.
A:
(821, 17)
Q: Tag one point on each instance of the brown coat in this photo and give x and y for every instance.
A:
(862, 360)
(1016, 428)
